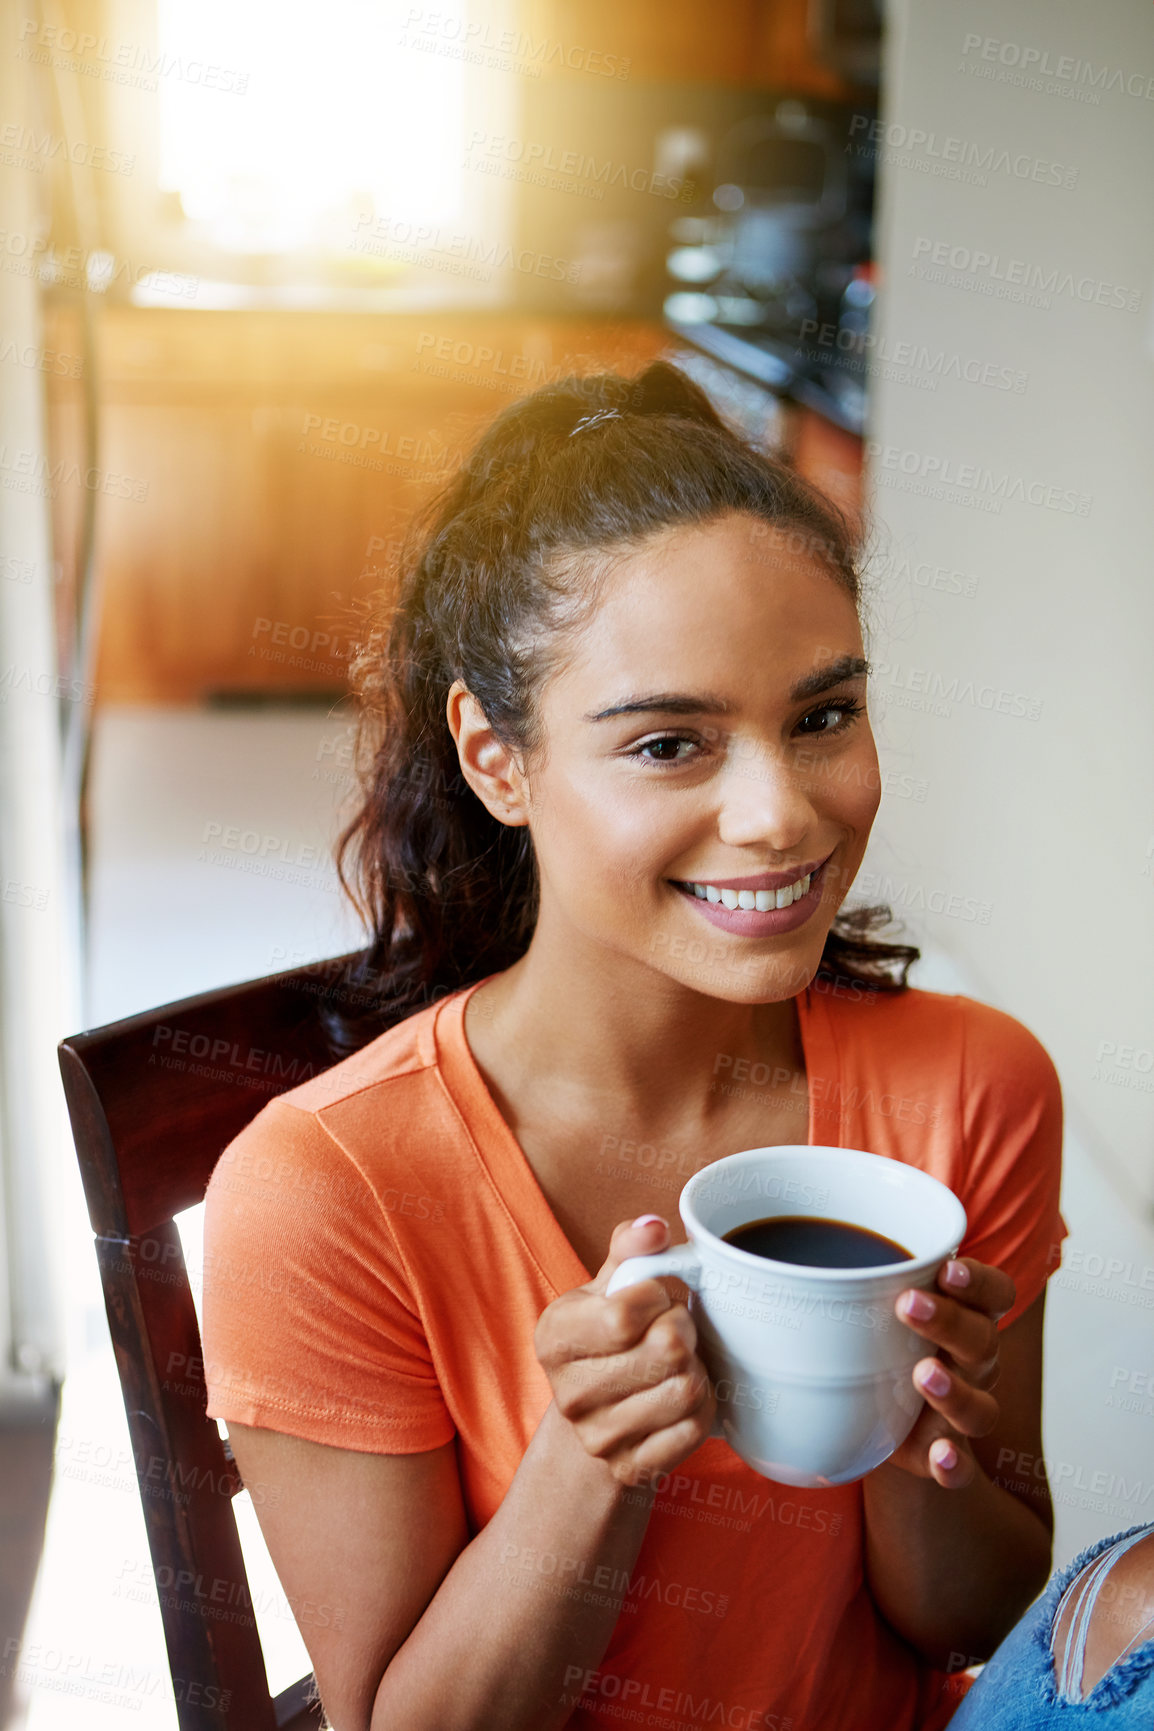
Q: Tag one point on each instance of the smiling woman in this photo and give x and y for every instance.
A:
(679, 788)
(620, 778)
(507, 571)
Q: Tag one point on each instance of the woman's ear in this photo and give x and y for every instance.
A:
(489, 767)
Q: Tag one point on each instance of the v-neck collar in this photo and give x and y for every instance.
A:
(505, 1160)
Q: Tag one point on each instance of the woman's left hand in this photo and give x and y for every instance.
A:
(961, 1319)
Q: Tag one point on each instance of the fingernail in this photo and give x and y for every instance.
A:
(919, 1306)
(650, 1220)
(935, 1381)
(945, 1456)
(956, 1274)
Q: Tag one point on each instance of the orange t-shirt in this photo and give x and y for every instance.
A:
(378, 1251)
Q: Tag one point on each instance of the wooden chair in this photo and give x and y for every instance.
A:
(153, 1101)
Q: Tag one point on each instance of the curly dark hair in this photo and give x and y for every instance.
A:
(496, 571)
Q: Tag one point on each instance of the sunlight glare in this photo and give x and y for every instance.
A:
(334, 117)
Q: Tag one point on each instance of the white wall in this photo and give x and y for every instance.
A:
(1028, 794)
(38, 998)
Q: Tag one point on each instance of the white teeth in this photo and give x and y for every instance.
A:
(760, 900)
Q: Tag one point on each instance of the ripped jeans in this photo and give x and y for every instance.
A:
(1020, 1689)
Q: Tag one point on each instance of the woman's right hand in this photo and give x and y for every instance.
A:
(624, 1370)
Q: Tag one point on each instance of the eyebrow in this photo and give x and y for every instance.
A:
(834, 673)
(709, 703)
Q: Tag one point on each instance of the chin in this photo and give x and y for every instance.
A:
(756, 979)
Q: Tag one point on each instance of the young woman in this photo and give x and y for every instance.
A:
(623, 778)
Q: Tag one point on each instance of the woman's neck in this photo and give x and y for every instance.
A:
(599, 1030)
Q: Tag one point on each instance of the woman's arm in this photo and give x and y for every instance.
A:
(427, 1629)
(420, 1626)
(956, 1552)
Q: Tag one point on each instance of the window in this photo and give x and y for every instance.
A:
(306, 148)
(322, 114)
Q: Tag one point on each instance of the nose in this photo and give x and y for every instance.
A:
(764, 801)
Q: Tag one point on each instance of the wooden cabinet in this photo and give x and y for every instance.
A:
(257, 468)
(257, 471)
(763, 43)
(829, 456)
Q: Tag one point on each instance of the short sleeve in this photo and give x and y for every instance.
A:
(1012, 1119)
(308, 1323)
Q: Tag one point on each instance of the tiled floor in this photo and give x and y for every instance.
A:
(210, 839)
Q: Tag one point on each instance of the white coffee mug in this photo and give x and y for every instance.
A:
(811, 1366)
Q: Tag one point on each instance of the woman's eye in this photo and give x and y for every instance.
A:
(669, 748)
(830, 717)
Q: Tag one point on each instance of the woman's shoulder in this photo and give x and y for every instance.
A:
(404, 1061)
(344, 1129)
(946, 1059)
(970, 1095)
(934, 1028)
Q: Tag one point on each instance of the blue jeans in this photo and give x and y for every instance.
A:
(1018, 1690)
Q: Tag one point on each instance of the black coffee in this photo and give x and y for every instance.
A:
(816, 1243)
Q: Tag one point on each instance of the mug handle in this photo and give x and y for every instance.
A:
(681, 1260)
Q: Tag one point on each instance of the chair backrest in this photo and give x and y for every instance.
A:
(153, 1102)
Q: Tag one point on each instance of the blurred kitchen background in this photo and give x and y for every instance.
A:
(264, 273)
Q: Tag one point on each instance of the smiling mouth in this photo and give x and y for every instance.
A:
(765, 893)
(759, 901)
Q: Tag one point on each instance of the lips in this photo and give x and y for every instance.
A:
(750, 922)
(763, 880)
